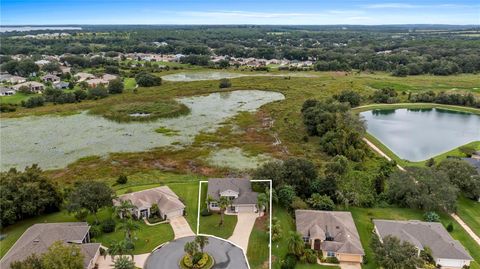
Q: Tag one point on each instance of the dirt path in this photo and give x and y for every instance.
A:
(453, 215)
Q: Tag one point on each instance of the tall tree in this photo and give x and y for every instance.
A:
(394, 254)
(92, 196)
(61, 256)
(202, 242)
(223, 203)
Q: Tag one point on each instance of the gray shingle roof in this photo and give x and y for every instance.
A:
(163, 196)
(241, 185)
(424, 234)
(39, 237)
(338, 225)
(473, 162)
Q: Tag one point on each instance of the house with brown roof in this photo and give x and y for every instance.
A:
(238, 190)
(447, 252)
(39, 237)
(168, 202)
(50, 78)
(332, 232)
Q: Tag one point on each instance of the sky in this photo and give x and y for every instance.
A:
(298, 12)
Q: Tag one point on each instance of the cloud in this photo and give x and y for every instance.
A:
(403, 5)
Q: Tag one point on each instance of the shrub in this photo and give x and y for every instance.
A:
(205, 212)
(431, 217)
(331, 260)
(95, 231)
(450, 227)
(147, 80)
(290, 262)
(298, 203)
(7, 107)
(225, 83)
(108, 226)
(122, 179)
(33, 102)
(97, 93)
(115, 86)
(310, 256)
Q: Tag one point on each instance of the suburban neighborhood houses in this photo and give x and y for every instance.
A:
(447, 252)
(39, 237)
(237, 190)
(163, 197)
(332, 233)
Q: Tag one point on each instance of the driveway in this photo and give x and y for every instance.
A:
(241, 234)
(349, 265)
(180, 227)
(225, 254)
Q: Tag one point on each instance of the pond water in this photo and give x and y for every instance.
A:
(419, 134)
(197, 76)
(55, 141)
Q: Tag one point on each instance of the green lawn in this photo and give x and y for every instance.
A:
(210, 225)
(363, 220)
(17, 98)
(469, 212)
(257, 252)
(279, 248)
(129, 83)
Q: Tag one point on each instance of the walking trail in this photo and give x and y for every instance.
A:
(453, 215)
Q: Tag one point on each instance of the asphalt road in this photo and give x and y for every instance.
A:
(225, 254)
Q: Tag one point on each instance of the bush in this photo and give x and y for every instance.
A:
(115, 86)
(95, 231)
(331, 260)
(147, 80)
(450, 227)
(108, 226)
(33, 102)
(290, 262)
(205, 212)
(225, 83)
(122, 179)
(97, 93)
(431, 217)
(310, 256)
(7, 107)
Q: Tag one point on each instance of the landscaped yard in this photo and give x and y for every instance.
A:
(210, 225)
(279, 248)
(469, 212)
(363, 220)
(258, 251)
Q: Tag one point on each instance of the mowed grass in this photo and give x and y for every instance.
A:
(280, 247)
(363, 219)
(210, 225)
(469, 212)
(258, 250)
(17, 98)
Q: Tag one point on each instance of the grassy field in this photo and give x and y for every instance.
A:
(17, 98)
(469, 212)
(258, 251)
(279, 248)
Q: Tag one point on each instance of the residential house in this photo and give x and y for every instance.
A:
(82, 76)
(5, 91)
(12, 79)
(33, 86)
(65, 69)
(50, 78)
(167, 201)
(447, 252)
(332, 232)
(39, 237)
(238, 190)
(60, 85)
(41, 62)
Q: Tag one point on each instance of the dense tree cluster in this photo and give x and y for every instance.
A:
(340, 130)
(392, 253)
(400, 50)
(147, 80)
(385, 96)
(463, 176)
(26, 194)
(458, 99)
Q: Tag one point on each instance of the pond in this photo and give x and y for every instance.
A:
(197, 76)
(419, 134)
(56, 141)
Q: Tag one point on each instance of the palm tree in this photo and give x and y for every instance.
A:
(295, 244)
(123, 262)
(125, 209)
(129, 225)
(262, 202)
(223, 203)
(190, 248)
(117, 248)
(202, 242)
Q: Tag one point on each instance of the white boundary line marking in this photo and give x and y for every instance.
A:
(244, 250)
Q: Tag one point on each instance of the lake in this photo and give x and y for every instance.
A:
(419, 134)
(56, 141)
(215, 75)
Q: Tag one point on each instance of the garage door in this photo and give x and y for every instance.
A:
(173, 214)
(246, 208)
